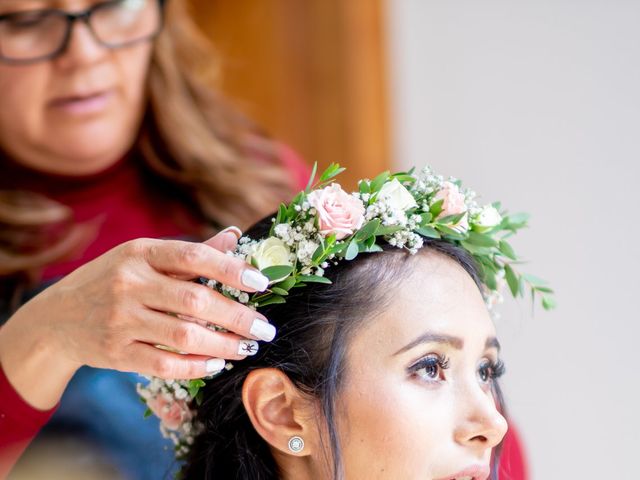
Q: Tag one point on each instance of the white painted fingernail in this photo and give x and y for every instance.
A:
(254, 279)
(214, 365)
(262, 330)
(248, 347)
(233, 229)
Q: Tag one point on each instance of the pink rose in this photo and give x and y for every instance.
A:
(172, 413)
(453, 204)
(338, 212)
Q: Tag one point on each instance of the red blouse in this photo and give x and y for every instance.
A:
(125, 206)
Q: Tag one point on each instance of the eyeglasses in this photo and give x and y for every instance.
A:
(34, 35)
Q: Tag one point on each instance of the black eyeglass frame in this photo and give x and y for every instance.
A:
(72, 18)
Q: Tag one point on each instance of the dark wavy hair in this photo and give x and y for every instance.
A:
(315, 328)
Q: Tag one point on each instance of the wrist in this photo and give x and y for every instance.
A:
(31, 361)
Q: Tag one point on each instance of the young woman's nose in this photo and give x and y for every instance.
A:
(482, 426)
(83, 48)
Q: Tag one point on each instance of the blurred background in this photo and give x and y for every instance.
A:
(536, 103)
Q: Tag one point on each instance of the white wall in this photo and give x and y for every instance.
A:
(537, 103)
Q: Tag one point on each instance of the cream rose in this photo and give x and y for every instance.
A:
(338, 212)
(270, 252)
(453, 204)
(398, 197)
(488, 218)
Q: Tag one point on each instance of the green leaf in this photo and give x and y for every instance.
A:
(512, 280)
(312, 178)
(368, 230)
(279, 291)
(543, 289)
(272, 300)
(286, 284)
(314, 279)
(507, 250)
(515, 221)
(277, 272)
(404, 178)
(333, 170)
(476, 250)
(194, 386)
(548, 303)
(481, 240)
(451, 219)
(371, 248)
(147, 413)
(387, 230)
(428, 232)
(379, 181)
(436, 208)
(352, 250)
(533, 280)
(425, 218)
(450, 232)
(364, 187)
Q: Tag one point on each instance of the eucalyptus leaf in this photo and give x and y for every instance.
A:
(279, 291)
(352, 250)
(367, 230)
(512, 280)
(277, 272)
(481, 240)
(436, 208)
(272, 300)
(379, 181)
(507, 250)
(312, 178)
(428, 232)
(314, 279)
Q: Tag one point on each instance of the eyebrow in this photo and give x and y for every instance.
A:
(455, 342)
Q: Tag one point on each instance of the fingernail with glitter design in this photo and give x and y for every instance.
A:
(233, 229)
(254, 279)
(262, 330)
(214, 365)
(248, 347)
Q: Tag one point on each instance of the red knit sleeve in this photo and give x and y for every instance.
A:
(19, 423)
(512, 460)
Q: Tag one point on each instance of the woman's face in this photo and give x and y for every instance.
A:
(417, 398)
(78, 113)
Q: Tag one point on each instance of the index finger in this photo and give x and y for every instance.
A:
(201, 260)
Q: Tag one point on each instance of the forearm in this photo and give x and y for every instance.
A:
(28, 356)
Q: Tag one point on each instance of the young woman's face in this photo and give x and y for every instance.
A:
(417, 398)
(79, 112)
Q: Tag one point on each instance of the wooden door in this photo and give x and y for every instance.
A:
(312, 72)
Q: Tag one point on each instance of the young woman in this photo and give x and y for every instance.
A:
(386, 362)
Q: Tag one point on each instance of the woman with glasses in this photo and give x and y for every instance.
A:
(111, 130)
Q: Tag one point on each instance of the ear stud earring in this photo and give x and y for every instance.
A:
(296, 444)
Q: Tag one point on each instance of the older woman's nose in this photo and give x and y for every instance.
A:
(482, 426)
(82, 47)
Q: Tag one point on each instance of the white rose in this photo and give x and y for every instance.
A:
(270, 252)
(397, 196)
(488, 218)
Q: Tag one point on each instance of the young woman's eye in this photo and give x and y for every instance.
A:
(490, 370)
(430, 368)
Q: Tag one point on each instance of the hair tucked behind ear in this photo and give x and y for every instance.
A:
(314, 330)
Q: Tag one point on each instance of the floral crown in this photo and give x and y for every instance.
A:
(324, 225)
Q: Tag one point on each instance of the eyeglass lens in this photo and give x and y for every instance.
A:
(38, 34)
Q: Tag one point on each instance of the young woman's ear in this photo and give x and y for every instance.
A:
(279, 412)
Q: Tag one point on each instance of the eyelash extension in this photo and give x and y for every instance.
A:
(496, 368)
(429, 361)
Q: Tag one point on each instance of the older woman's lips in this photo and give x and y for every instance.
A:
(83, 104)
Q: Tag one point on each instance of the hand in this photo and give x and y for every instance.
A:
(112, 312)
